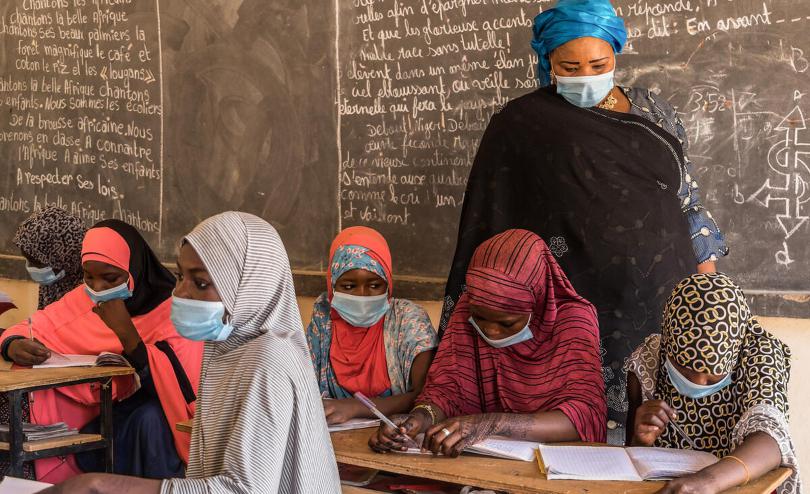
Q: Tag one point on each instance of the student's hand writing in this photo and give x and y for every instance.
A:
(450, 437)
(28, 352)
(387, 439)
(698, 483)
(115, 315)
(339, 411)
(652, 418)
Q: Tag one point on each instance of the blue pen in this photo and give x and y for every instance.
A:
(370, 405)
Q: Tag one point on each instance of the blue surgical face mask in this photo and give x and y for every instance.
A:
(524, 334)
(44, 276)
(690, 389)
(585, 91)
(361, 312)
(121, 291)
(199, 320)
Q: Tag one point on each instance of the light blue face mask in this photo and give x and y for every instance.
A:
(586, 91)
(524, 334)
(44, 276)
(690, 389)
(361, 312)
(200, 320)
(121, 291)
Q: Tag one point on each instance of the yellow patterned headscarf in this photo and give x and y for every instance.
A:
(708, 327)
(705, 323)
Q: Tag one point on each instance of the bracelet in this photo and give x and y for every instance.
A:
(747, 472)
(428, 409)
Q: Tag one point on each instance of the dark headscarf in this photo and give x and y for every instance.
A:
(151, 283)
(53, 237)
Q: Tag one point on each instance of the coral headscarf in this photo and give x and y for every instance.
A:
(357, 354)
(558, 369)
(70, 326)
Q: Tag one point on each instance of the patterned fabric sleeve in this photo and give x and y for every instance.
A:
(319, 337)
(707, 240)
(769, 420)
(643, 362)
(407, 334)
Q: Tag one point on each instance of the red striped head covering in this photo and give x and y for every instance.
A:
(559, 369)
(507, 273)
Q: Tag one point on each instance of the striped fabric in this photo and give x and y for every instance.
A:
(558, 369)
(259, 426)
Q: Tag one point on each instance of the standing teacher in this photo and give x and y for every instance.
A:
(600, 173)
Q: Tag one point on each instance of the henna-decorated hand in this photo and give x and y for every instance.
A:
(450, 437)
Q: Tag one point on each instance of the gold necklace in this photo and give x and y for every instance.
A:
(609, 102)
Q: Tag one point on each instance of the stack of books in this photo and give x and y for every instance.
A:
(34, 432)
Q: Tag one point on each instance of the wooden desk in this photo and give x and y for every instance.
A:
(351, 447)
(19, 381)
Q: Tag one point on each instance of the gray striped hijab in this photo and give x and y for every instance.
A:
(259, 426)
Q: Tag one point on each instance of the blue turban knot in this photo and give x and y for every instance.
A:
(572, 19)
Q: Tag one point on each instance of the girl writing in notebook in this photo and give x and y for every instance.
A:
(520, 357)
(51, 242)
(363, 339)
(716, 381)
(122, 307)
(259, 426)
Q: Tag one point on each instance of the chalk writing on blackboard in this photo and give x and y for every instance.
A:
(81, 105)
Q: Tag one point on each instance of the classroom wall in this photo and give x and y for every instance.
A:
(794, 332)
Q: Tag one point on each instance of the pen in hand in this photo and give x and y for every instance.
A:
(675, 426)
(371, 406)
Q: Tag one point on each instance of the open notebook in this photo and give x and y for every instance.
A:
(66, 360)
(497, 447)
(352, 424)
(609, 463)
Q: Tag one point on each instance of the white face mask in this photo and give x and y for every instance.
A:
(361, 312)
(524, 334)
(585, 91)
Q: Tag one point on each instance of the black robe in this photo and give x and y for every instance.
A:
(600, 187)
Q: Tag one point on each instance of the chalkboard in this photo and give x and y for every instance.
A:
(320, 115)
(419, 81)
(162, 113)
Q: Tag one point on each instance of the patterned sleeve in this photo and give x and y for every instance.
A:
(708, 241)
(766, 364)
(408, 334)
(644, 362)
(318, 334)
(769, 420)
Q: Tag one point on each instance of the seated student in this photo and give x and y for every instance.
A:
(520, 357)
(715, 372)
(51, 242)
(363, 339)
(123, 308)
(259, 425)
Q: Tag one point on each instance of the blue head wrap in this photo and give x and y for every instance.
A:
(572, 19)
